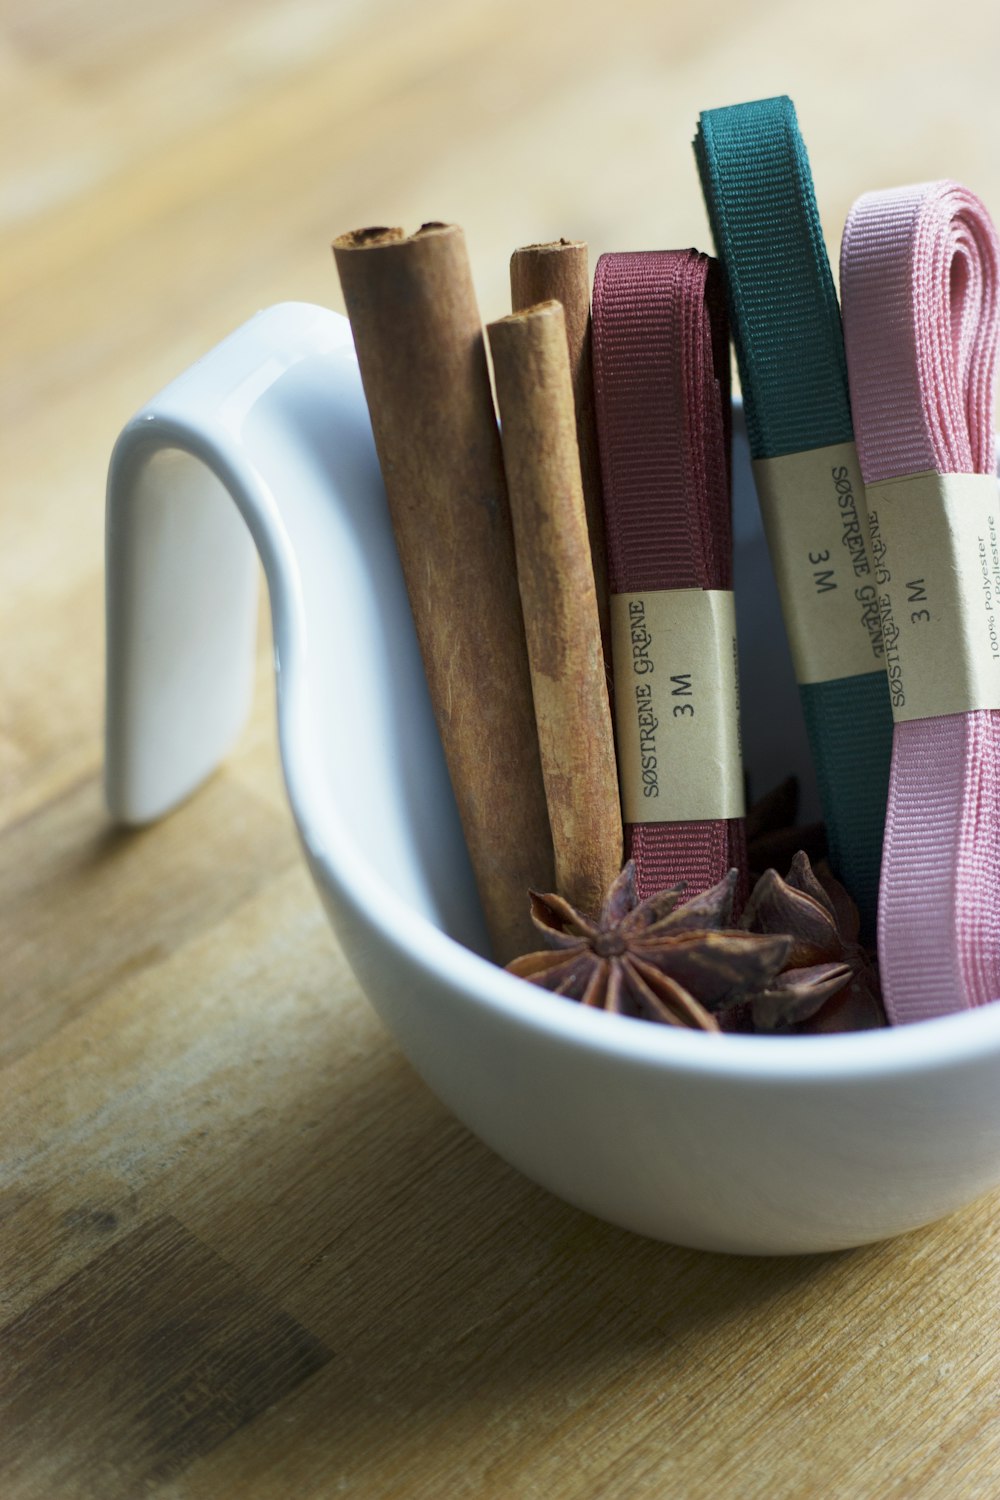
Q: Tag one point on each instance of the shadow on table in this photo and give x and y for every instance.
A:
(461, 1305)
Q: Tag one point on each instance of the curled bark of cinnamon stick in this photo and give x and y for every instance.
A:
(420, 346)
(556, 579)
(559, 271)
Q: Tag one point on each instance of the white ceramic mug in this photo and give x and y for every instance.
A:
(736, 1143)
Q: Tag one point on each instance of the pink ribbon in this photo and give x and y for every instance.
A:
(919, 285)
(661, 388)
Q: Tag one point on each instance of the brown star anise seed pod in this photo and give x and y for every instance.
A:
(659, 959)
(830, 982)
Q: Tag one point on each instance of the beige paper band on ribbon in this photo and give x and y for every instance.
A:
(935, 548)
(813, 507)
(677, 705)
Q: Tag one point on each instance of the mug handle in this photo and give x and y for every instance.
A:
(188, 507)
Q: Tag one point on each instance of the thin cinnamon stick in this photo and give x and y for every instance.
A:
(421, 350)
(556, 578)
(559, 271)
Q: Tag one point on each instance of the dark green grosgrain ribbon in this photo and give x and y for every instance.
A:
(790, 350)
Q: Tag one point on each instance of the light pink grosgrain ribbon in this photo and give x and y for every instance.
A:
(919, 287)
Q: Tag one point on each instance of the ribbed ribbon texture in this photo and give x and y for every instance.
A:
(789, 345)
(661, 382)
(919, 279)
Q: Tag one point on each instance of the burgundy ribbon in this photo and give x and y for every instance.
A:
(661, 383)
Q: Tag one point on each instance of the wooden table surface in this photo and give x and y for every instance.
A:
(245, 1253)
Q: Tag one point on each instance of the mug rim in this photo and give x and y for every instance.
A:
(928, 1046)
(925, 1045)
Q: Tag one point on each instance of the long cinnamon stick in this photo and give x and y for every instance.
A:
(559, 271)
(556, 579)
(420, 346)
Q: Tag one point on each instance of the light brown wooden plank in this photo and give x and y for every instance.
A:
(197, 1355)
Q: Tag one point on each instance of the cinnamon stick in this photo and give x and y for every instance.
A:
(422, 355)
(559, 271)
(556, 579)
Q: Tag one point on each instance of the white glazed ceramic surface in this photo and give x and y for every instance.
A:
(728, 1143)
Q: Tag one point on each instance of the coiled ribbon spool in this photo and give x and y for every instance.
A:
(919, 280)
(662, 391)
(789, 344)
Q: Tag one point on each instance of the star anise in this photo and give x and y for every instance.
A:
(816, 913)
(657, 959)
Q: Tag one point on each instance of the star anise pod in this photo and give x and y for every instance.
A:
(829, 982)
(659, 959)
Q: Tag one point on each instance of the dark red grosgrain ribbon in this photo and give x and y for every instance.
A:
(662, 389)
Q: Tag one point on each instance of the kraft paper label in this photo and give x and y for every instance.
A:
(677, 705)
(813, 507)
(935, 549)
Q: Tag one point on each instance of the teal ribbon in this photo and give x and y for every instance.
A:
(790, 350)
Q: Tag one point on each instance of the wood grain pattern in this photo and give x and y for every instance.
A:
(184, 1372)
(243, 1252)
